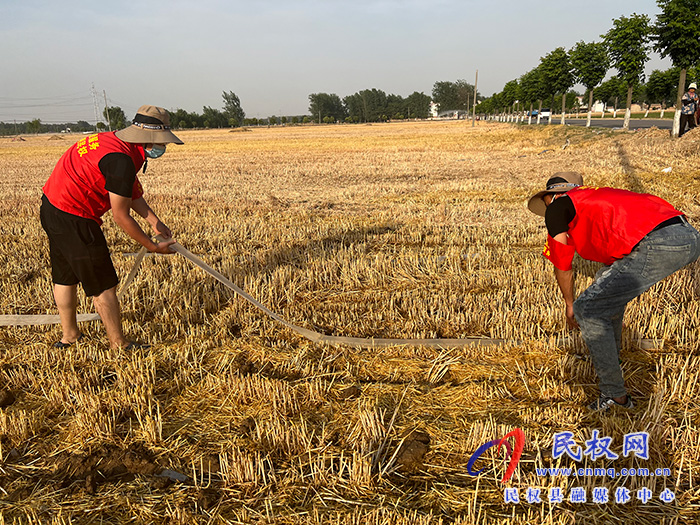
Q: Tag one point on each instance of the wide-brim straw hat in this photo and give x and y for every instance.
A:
(560, 182)
(151, 125)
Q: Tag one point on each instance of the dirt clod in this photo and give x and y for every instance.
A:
(412, 452)
(245, 366)
(6, 398)
(208, 498)
(350, 392)
(246, 426)
(104, 464)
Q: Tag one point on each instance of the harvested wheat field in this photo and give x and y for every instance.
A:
(399, 230)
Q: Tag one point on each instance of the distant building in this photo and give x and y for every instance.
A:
(598, 106)
(449, 114)
(434, 108)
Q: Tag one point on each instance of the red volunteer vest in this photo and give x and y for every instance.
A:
(608, 224)
(77, 186)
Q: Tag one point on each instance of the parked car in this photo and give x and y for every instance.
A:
(546, 113)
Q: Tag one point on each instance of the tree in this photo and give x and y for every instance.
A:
(485, 106)
(532, 89)
(368, 105)
(497, 103)
(556, 75)
(510, 94)
(193, 119)
(571, 101)
(662, 86)
(628, 46)
(115, 117)
(465, 95)
(326, 105)
(445, 96)
(395, 105)
(417, 105)
(677, 35)
(590, 63)
(181, 117)
(453, 96)
(610, 91)
(233, 112)
(34, 126)
(213, 118)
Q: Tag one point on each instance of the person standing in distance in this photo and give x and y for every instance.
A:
(640, 238)
(97, 173)
(688, 108)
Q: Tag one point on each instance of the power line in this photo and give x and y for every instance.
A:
(49, 105)
(80, 94)
(60, 108)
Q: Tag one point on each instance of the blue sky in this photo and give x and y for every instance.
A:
(273, 53)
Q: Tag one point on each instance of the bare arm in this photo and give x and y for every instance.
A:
(141, 207)
(565, 280)
(121, 208)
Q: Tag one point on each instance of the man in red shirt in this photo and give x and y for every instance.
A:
(640, 238)
(97, 173)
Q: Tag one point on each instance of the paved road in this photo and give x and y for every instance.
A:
(617, 123)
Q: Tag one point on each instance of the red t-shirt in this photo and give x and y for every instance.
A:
(77, 184)
(608, 224)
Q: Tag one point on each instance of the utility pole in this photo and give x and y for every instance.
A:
(94, 101)
(109, 120)
(476, 80)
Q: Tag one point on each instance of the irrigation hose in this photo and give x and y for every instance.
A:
(316, 337)
(40, 319)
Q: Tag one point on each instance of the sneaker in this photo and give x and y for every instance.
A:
(603, 403)
(62, 346)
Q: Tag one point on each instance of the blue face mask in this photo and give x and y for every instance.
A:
(156, 151)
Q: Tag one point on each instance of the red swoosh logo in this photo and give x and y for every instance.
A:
(519, 436)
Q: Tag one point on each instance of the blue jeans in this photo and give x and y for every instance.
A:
(600, 308)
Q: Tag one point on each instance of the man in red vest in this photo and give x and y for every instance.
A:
(97, 173)
(640, 238)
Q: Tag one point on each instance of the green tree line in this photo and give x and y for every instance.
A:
(374, 105)
(624, 48)
(369, 105)
(37, 126)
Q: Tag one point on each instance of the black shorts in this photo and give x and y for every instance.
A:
(78, 249)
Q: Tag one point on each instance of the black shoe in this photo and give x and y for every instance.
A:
(62, 346)
(603, 403)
